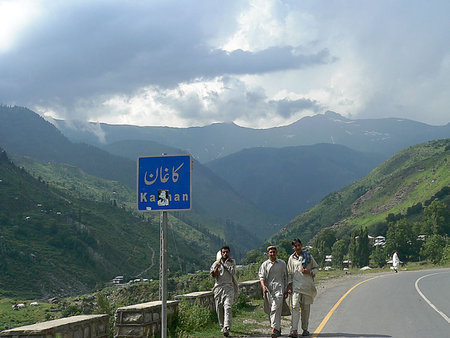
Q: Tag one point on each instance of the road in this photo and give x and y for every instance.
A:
(404, 304)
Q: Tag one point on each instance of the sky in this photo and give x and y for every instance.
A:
(257, 63)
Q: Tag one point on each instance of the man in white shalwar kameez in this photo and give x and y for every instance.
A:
(301, 269)
(225, 288)
(273, 278)
(395, 261)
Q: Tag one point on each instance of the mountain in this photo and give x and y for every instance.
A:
(385, 136)
(53, 243)
(216, 206)
(411, 176)
(24, 132)
(287, 181)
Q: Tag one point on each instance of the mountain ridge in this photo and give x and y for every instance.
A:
(386, 136)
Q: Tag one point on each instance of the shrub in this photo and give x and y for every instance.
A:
(240, 303)
(446, 255)
(191, 317)
(434, 248)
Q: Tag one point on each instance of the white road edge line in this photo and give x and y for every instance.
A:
(426, 299)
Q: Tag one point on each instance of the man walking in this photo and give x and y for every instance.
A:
(301, 271)
(273, 278)
(225, 288)
(395, 261)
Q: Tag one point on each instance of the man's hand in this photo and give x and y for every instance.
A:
(305, 271)
(289, 288)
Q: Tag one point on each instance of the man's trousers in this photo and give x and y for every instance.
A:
(300, 302)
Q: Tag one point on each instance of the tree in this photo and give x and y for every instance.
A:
(438, 218)
(353, 249)
(378, 256)
(339, 250)
(327, 237)
(285, 245)
(364, 247)
(359, 248)
(318, 252)
(434, 248)
(254, 256)
(399, 237)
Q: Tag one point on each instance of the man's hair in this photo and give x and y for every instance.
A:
(295, 241)
(225, 247)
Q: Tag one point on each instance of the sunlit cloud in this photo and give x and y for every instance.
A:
(257, 63)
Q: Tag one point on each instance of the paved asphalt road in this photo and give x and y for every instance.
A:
(389, 305)
(392, 306)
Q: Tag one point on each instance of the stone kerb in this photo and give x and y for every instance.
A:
(83, 326)
(204, 298)
(142, 320)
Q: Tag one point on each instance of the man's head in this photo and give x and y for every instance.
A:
(225, 251)
(272, 252)
(297, 246)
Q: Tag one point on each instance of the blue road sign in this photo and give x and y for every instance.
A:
(164, 183)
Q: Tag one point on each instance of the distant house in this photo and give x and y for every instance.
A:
(117, 280)
(379, 240)
(328, 258)
(346, 264)
(421, 237)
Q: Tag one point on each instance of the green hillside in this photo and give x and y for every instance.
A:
(53, 243)
(290, 180)
(217, 208)
(412, 176)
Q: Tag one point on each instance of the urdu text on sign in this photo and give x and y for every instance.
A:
(164, 182)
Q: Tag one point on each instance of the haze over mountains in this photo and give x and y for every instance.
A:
(259, 178)
(385, 136)
(264, 164)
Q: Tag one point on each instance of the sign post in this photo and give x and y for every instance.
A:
(164, 183)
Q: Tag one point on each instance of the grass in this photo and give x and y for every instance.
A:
(10, 318)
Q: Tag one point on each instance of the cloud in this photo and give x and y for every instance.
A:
(81, 50)
(286, 108)
(258, 63)
(199, 103)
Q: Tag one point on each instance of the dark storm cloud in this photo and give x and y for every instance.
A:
(88, 49)
(286, 108)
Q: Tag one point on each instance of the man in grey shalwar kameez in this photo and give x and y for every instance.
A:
(274, 281)
(225, 288)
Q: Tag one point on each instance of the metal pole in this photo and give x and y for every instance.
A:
(163, 272)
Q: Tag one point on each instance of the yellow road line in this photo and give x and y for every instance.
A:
(327, 317)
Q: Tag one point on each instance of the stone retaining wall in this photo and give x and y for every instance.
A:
(142, 320)
(84, 326)
(251, 288)
(139, 320)
(204, 298)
